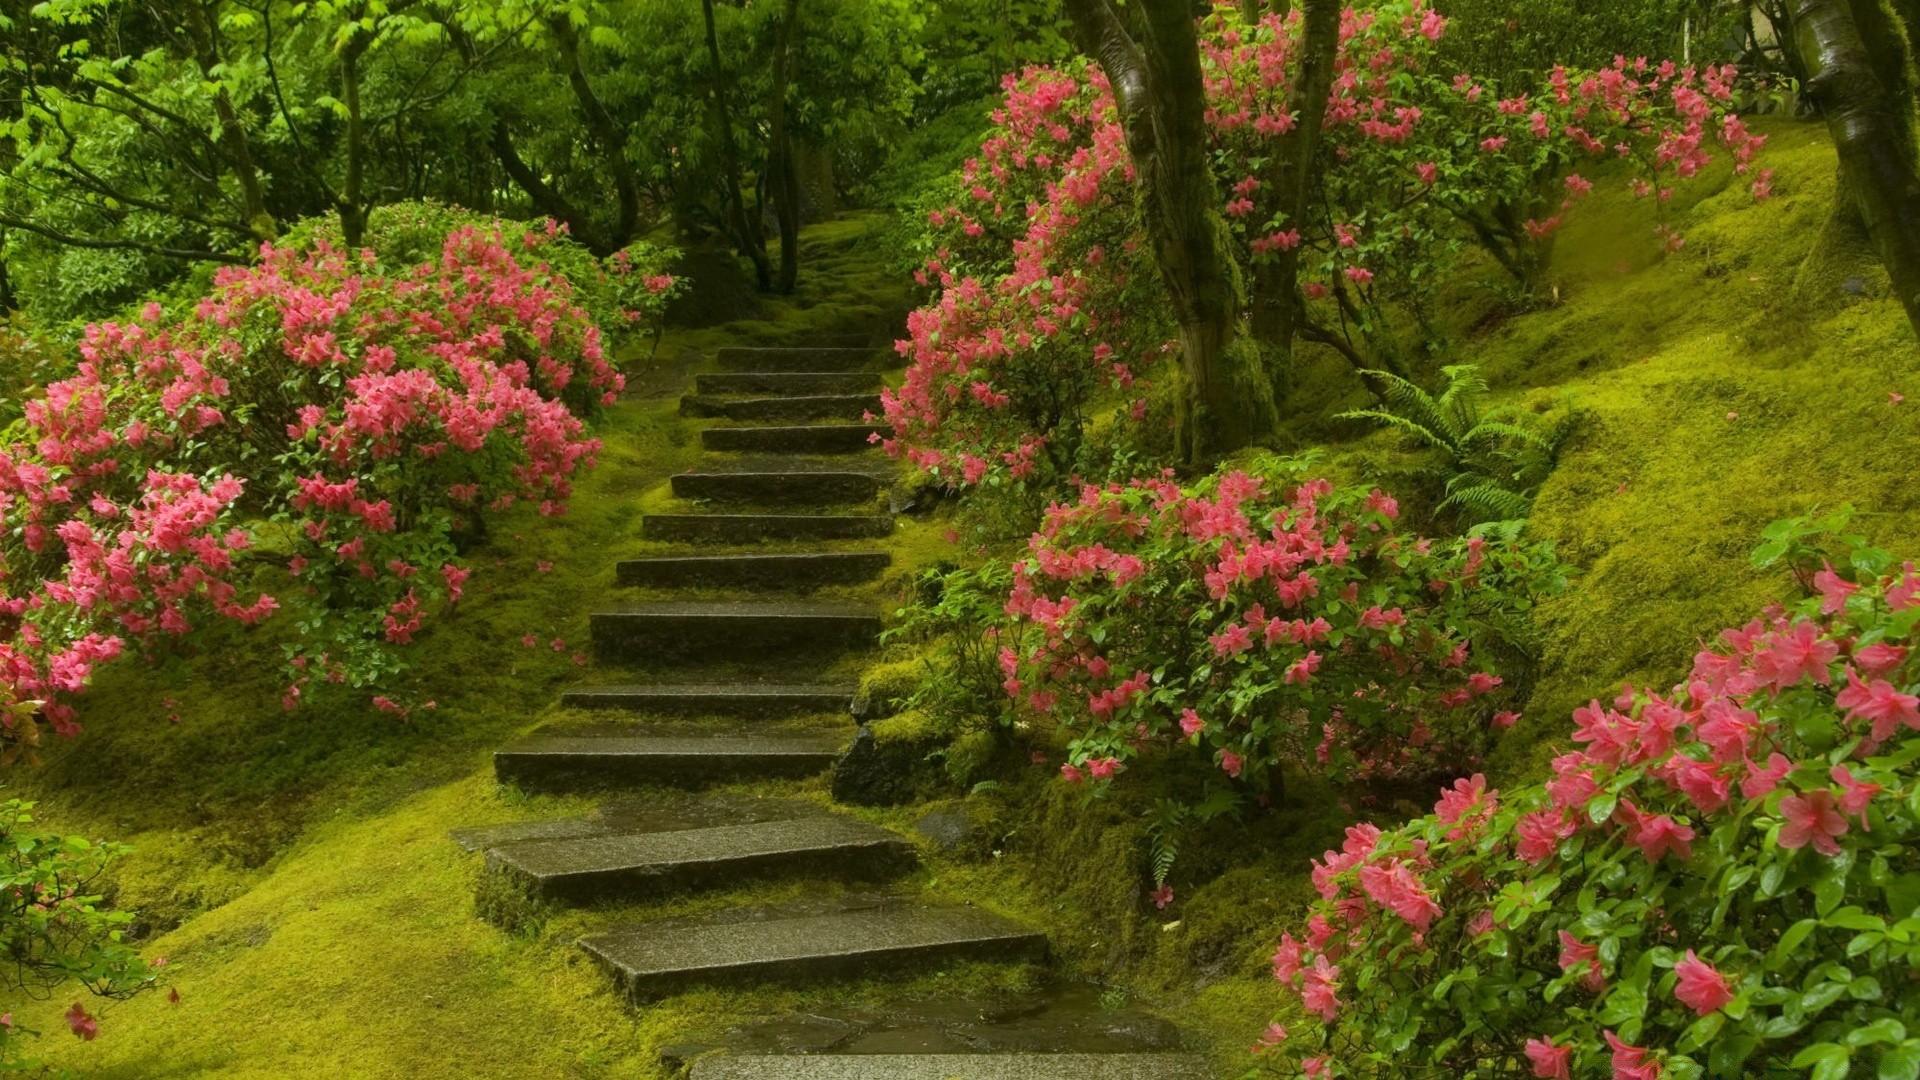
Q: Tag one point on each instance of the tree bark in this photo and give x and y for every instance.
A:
(233, 134)
(1873, 135)
(1151, 55)
(746, 229)
(352, 204)
(786, 174)
(608, 134)
(1276, 284)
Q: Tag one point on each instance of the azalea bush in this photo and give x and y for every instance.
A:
(1716, 880)
(349, 424)
(1259, 627)
(55, 930)
(1050, 315)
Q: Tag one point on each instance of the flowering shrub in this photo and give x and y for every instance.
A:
(377, 419)
(1049, 309)
(1257, 627)
(52, 928)
(1717, 880)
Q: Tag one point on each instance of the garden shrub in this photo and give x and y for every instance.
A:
(1260, 626)
(317, 413)
(1717, 880)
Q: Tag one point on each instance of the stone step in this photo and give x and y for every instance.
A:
(794, 439)
(798, 571)
(751, 528)
(582, 869)
(771, 486)
(955, 1067)
(809, 407)
(644, 632)
(801, 358)
(560, 762)
(737, 699)
(649, 961)
(791, 383)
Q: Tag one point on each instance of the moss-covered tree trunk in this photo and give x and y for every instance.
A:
(1150, 52)
(747, 235)
(1276, 283)
(785, 171)
(1861, 78)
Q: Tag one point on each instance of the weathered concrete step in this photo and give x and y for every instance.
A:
(572, 762)
(647, 864)
(810, 407)
(798, 571)
(748, 528)
(956, 1067)
(774, 486)
(641, 632)
(794, 439)
(700, 699)
(803, 358)
(793, 383)
(652, 960)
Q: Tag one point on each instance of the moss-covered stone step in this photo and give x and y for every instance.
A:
(563, 762)
(582, 869)
(752, 528)
(643, 632)
(772, 486)
(795, 383)
(955, 1067)
(796, 358)
(794, 439)
(754, 700)
(803, 570)
(651, 960)
(783, 407)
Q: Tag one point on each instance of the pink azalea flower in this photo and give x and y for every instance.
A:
(1190, 723)
(1550, 1062)
(1855, 796)
(1812, 819)
(1699, 987)
(1630, 1062)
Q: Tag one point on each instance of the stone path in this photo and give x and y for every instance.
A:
(790, 463)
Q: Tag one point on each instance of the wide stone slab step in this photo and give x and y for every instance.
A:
(775, 486)
(558, 762)
(798, 571)
(649, 961)
(802, 358)
(806, 407)
(650, 864)
(640, 632)
(790, 383)
(751, 528)
(794, 439)
(700, 699)
(956, 1067)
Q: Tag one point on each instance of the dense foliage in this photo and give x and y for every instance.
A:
(350, 422)
(1049, 311)
(1717, 880)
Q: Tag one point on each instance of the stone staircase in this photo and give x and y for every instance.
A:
(790, 463)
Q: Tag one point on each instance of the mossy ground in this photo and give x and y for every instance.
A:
(295, 868)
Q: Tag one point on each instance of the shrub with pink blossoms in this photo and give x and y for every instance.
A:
(1259, 626)
(350, 420)
(1716, 880)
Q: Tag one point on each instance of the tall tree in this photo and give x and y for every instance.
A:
(1861, 77)
(747, 235)
(1150, 52)
(784, 173)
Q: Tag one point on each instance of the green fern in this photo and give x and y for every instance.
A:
(1168, 821)
(1495, 458)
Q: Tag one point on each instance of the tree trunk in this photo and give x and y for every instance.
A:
(352, 203)
(546, 199)
(1151, 57)
(746, 229)
(786, 174)
(608, 134)
(1873, 135)
(1276, 284)
(233, 134)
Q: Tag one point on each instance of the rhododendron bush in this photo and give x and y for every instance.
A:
(1049, 311)
(1717, 880)
(1262, 626)
(346, 421)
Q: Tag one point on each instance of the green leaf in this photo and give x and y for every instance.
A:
(1900, 1063)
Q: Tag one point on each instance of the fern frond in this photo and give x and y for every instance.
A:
(1485, 499)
